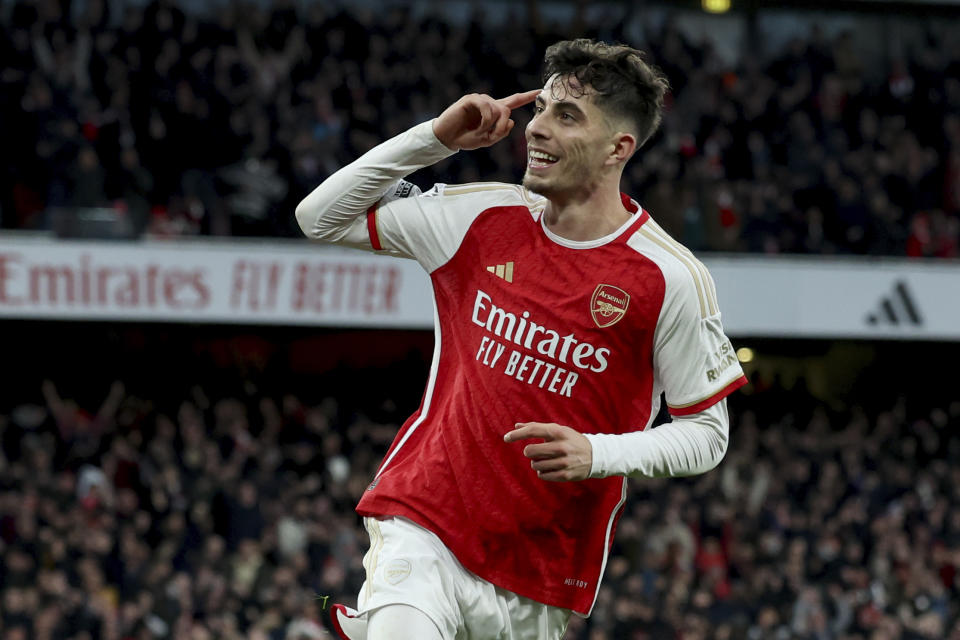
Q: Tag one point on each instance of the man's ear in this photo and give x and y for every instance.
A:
(623, 146)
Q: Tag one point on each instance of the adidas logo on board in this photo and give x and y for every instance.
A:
(897, 308)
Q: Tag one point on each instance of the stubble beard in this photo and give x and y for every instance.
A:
(533, 184)
(541, 185)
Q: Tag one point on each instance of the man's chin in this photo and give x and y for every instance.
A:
(536, 184)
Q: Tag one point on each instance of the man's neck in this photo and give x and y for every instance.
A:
(587, 217)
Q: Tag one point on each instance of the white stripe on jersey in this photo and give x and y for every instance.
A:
(606, 544)
(428, 395)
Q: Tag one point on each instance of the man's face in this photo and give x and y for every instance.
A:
(568, 140)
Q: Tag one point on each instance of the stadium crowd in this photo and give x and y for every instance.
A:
(220, 122)
(229, 515)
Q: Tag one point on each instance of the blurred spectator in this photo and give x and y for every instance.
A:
(87, 180)
(220, 122)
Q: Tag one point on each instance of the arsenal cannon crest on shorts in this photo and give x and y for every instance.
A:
(608, 304)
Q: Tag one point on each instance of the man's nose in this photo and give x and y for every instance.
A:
(536, 128)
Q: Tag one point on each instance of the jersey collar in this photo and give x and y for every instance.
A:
(622, 234)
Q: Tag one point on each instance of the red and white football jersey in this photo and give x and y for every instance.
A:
(534, 327)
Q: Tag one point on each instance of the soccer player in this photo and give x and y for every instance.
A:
(563, 311)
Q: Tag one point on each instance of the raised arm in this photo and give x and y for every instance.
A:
(334, 211)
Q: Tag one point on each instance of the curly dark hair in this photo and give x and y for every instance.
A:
(623, 83)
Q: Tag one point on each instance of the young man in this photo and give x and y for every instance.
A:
(563, 312)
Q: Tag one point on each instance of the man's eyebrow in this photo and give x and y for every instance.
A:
(569, 106)
(563, 105)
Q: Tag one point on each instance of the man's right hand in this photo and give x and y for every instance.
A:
(477, 120)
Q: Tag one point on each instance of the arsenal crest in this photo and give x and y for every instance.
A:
(608, 304)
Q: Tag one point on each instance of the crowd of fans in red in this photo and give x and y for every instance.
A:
(220, 122)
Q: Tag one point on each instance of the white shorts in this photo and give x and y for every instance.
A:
(407, 564)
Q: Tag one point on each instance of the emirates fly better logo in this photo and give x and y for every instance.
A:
(608, 304)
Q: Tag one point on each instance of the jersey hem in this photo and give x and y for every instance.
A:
(709, 402)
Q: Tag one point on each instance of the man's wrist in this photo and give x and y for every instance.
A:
(440, 135)
(598, 454)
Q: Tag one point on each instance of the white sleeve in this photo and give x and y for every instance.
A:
(693, 360)
(430, 227)
(336, 210)
(687, 446)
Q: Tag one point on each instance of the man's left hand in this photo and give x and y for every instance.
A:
(564, 455)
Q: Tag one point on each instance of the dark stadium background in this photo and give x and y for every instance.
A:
(836, 514)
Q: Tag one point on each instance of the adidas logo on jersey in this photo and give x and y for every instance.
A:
(504, 271)
(897, 308)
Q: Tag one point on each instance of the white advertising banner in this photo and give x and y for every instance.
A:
(295, 282)
(236, 282)
(839, 298)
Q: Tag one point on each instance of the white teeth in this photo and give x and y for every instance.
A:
(540, 155)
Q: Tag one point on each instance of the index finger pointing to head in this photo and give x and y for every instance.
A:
(519, 99)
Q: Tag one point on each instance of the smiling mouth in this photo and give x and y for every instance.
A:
(540, 160)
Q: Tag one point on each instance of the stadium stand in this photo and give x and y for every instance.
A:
(806, 148)
(198, 481)
(216, 501)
